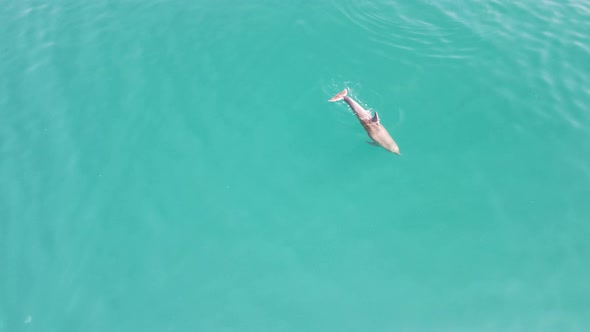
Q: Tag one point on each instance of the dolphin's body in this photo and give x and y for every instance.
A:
(371, 123)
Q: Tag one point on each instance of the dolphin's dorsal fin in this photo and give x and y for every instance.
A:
(375, 118)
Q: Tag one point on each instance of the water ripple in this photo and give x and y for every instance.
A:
(540, 44)
(392, 24)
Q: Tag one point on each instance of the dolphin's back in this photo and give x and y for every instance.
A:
(360, 112)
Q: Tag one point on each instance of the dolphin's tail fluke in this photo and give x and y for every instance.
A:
(339, 96)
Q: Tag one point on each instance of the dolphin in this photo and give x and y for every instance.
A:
(372, 125)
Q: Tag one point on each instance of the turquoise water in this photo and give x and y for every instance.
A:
(175, 166)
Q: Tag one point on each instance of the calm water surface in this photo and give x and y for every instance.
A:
(175, 166)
